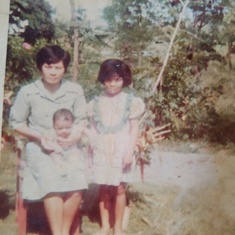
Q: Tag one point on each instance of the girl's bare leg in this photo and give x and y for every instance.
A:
(120, 204)
(105, 207)
(70, 210)
(53, 204)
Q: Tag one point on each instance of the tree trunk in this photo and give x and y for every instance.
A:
(75, 68)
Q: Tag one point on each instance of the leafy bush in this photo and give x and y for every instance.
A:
(20, 66)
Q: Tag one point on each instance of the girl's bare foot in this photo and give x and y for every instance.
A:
(102, 232)
(118, 232)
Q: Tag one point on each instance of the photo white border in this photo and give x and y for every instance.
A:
(4, 19)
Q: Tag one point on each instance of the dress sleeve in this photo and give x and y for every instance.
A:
(137, 108)
(20, 110)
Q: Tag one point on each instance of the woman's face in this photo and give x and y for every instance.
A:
(114, 85)
(52, 73)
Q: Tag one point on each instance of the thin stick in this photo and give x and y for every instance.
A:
(170, 46)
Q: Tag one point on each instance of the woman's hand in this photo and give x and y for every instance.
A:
(65, 143)
(46, 144)
(72, 139)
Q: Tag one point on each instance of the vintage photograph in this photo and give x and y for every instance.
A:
(117, 117)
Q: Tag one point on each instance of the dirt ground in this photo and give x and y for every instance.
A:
(188, 189)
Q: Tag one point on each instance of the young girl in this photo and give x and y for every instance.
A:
(114, 119)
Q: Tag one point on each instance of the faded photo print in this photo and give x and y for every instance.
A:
(117, 117)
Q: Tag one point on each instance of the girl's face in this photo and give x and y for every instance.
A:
(52, 73)
(63, 127)
(114, 85)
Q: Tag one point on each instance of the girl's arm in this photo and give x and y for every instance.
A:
(128, 158)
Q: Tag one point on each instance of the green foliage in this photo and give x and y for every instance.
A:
(20, 65)
(179, 99)
(37, 16)
(131, 23)
(195, 94)
(196, 106)
(213, 117)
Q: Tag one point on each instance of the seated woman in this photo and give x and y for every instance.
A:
(31, 116)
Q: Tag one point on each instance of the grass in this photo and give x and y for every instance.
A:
(154, 209)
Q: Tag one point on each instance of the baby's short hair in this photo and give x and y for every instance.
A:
(66, 114)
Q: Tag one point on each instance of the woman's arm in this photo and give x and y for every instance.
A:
(25, 131)
(128, 158)
(19, 114)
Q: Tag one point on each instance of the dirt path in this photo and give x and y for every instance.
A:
(194, 192)
(189, 189)
(186, 170)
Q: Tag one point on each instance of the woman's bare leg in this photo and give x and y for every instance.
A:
(53, 204)
(120, 204)
(71, 209)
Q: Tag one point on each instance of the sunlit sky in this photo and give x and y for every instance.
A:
(93, 9)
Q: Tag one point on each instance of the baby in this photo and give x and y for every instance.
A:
(63, 120)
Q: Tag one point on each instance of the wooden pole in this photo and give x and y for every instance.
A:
(75, 68)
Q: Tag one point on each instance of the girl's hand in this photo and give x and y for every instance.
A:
(90, 158)
(127, 161)
(128, 158)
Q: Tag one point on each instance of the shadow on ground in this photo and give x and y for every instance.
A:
(36, 219)
(37, 222)
(6, 203)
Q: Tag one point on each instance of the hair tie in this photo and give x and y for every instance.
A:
(117, 66)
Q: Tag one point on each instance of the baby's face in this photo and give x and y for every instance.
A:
(63, 127)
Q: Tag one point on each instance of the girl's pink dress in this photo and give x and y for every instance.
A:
(110, 135)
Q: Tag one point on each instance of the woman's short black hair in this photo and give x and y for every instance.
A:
(111, 67)
(51, 55)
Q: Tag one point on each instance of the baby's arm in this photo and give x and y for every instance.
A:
(128, 158)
